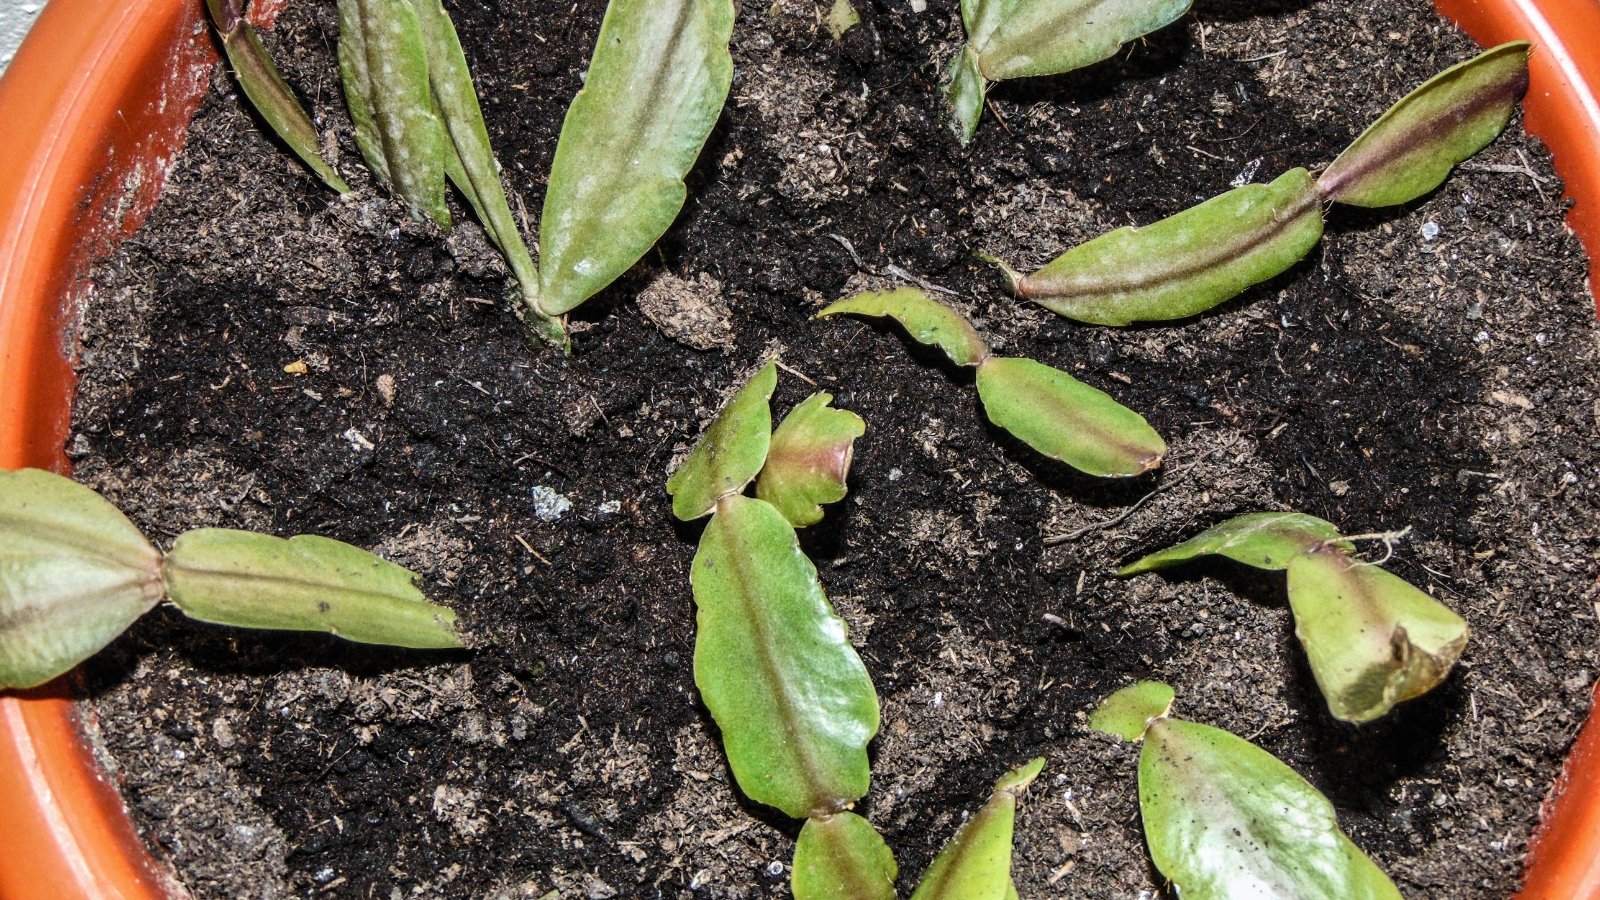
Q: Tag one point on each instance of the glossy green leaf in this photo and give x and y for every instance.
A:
(1265, 540)
(731, 452)
(809, 460)
(1067, 420)
(1372, 639)
(774, 667)
(976, 864)
(1187, 263)
(267, 91)
(304, 583)
(656, 85)
(384, 66)
(1224, 819)
(1411, 149)
(841, 18)
(1025, 38)
(925, 318)
(74, 574)
(1128, 712)
(841, 857)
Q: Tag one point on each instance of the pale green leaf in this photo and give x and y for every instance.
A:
(1187, 263)
(1225, 820)
(1067, 420)
(304, 583)
(1265, 540)
(925, 318)
(976, 864)
(841, 18)
(1372, 639)
(392, 92)
(731, 452)
(656, 85)
(841, 857)
(1024, 38)
(1411, 149)
(74, 574)
(809, 461)
(1128, 712)
(267, 91)
(774, 667)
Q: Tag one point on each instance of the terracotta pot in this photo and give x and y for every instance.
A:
(96, 104)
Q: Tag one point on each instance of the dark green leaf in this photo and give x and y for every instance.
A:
(731, 452)
(1264, 540)
(1411, 149)
(1187, 263)
(660, 72)
(74, 574)
(1128, 712)
(794, 703)
(927, 320)
(1225, 820)
(1372, 639)
(965, 89)
(841, 857)
(809, 460)
(976, 864)
(304, 583)
(1065, 419)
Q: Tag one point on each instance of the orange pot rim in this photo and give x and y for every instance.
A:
(92, 135)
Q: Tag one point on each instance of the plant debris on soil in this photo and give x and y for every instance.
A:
(262, 355)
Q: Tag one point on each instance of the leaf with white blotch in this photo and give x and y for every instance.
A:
(1225, 819)
(385, 74)
(1024, 38)
(775, 668)
(976, 864)
(1265, 540)
(841, 857)
(809, 460)
(1372, 639)
(1127, 713)
(1411, 149)
(731, 452)
(925, 318)
(267, 91)
(303, 583)
(1067, 420)
(74, 574)
(656, 84)
(1184, 264)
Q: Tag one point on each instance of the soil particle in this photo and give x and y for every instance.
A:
(265, 356)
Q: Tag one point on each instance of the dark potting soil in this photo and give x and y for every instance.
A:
(265, 356)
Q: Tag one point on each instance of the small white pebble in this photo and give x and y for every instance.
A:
(358, 441)
(1430, 230)
(894, 474)
(610, 507)
(549, 505)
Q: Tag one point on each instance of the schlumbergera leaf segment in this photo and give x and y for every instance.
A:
(75, 573)
(1225, 819)
(1372, 639)
(1208, 254)
(1049, 410)
(773, 662)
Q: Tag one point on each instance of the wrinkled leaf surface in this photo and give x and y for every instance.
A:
(774, 667)
(925, 318)
(1265, 540)
(304, 583)
(1187, 263)
(809, 461)
(1129, 711)
(731, 452)
(74, 574)
(976, 864)
(1411, 149)
(841, 857)
(1224, 819)
(1067, 420)
(656, 84)
(1372, 639)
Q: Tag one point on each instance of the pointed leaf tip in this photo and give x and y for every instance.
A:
(731, 452)
(1067, 420)
(924, 318)
(1128, 712)
(808, 464)
(1412, 147)
(976, 864)
(1266, 540)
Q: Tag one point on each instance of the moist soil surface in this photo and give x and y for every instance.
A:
(263, 355)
